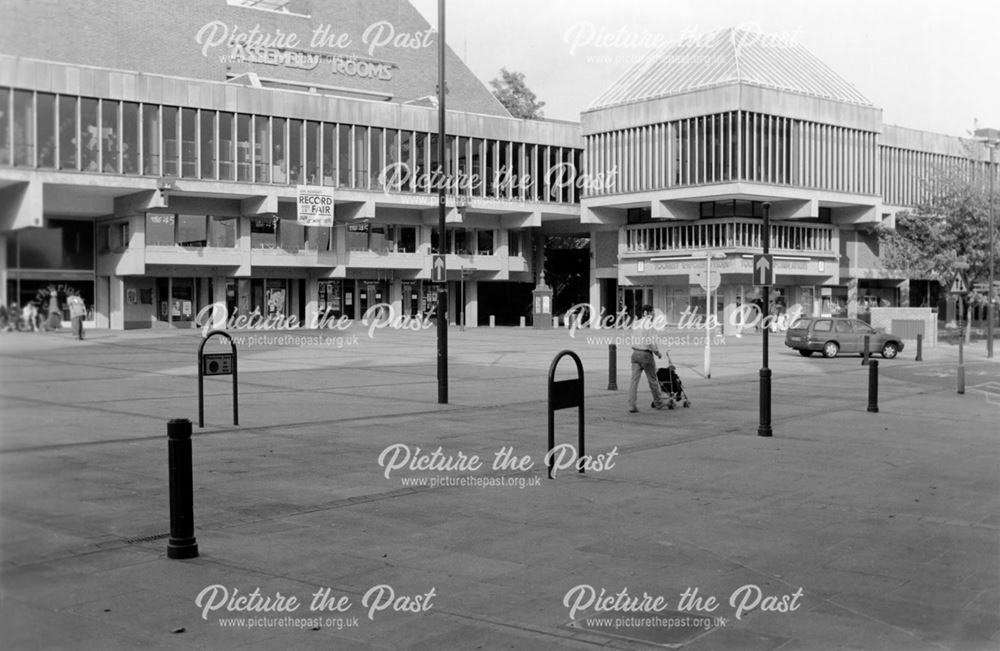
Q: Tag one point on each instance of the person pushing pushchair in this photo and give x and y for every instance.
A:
(643, 363)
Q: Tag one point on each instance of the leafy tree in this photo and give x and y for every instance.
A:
(515, 95)
(931, 238)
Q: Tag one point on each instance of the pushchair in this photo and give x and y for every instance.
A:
(671, 386)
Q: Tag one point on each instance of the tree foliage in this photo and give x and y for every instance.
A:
(931, 238)
(515, 95)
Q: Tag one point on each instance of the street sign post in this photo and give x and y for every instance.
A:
(439, 272)
(763, 271)
(763, 268)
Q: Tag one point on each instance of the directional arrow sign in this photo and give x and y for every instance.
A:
(763, 270)
(438, 273)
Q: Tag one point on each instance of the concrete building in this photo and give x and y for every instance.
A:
(699, 135)
(155, 169)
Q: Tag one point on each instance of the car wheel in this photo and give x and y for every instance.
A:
(805, 353)
(830, 349)
(890, 350)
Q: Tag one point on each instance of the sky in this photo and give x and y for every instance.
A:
(930, 66)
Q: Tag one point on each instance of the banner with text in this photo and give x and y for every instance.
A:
(315, 205)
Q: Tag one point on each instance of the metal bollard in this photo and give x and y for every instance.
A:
(920, 347)
(961, 366)
(867, 354)
(873, 386)
(612, 367)
(764, 427)
(182, 543)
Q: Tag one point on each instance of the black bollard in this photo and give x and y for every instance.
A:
(612, 367)
(764, 427)
(867, 354)
(873, 386)
(182, 543)
(920, 347)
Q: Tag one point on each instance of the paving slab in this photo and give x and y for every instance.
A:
(886, 523)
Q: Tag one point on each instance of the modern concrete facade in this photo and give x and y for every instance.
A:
(698, 136)
(156, 171)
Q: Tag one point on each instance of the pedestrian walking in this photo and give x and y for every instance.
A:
(30, 316)
(54, 319)
(642, 362)
(77, 311)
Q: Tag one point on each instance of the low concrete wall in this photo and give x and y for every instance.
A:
(882, 317)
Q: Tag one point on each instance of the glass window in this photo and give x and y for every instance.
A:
(189, 143)
(262, 148)
(192, 230)
(823, 326)
(151, 140)
(227, 147)
(513, 243)
(90, 141)
(376, 156)
(159, 229)
(295, 151)
(419, 167)
(263, 232)
(209, 141)
(291, 234)
(280, 169)
(109, 136)
(462, 241)
(391, 157)
(329, 153)
(104, 237)
(357, 237)
(344, 156)
(46, 130)
(5, 150)
(360, 157)
(243, 153)
(491, 185)
(62, 244)
(222, 232)
(312, 153)
(130, 138)
(121, 235)
(407, 242)
(24, 128)
(171, 152)
(485, 242)
(317, 238)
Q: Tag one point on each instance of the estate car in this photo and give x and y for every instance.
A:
(833, 335)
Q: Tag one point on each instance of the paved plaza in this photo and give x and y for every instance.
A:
(846, 529)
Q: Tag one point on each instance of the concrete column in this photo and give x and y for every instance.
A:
(595, 301)
(852, 298)
(101, 301)
(116, 303)
(904, 293)
(218, 290)
(396, 297)
(539, 257)
(292, 296)
(471, 303)
(312, 302)
(3, 270)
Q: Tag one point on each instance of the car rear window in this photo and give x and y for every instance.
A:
(823, 326)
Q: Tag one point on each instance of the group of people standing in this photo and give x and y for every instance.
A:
(31, 319)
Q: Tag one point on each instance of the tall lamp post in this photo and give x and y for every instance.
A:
(992, 139)
(442, 302)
